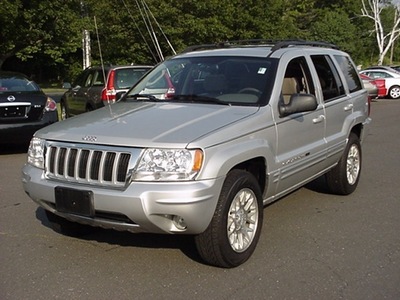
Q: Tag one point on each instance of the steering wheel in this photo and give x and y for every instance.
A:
(250, 90)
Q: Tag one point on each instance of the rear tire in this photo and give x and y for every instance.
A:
(343, 178)
(63, 226)
(394, 92)
(235, 228)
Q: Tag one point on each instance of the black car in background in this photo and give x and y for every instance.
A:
(99, 86)
(24, 108)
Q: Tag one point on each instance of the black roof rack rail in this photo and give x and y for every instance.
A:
(288, 43)
(275, 44)
(233, 43)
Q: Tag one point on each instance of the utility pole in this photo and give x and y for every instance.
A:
(85, 40)
(86, 49)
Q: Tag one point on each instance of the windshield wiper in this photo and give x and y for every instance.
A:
(197, 99)
(142, 97)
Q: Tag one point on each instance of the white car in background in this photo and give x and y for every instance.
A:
(392, 80)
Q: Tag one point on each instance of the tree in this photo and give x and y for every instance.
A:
(385, 38)
(49, 27)
(334, 26)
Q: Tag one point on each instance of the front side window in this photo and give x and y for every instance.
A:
(297, 79)
(219, 80)
(331, 84)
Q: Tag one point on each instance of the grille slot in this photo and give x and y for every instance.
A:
(88, 166)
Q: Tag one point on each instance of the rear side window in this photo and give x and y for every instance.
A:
(331, 84)
(349, 72)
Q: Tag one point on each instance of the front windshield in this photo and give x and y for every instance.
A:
(217, 79)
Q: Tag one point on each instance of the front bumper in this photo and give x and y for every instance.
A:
(142, 207)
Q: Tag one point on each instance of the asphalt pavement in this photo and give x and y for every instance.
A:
(313, 245)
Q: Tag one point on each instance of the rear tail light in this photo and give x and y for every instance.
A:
(108, 94)
(51, 105)
(380, 83)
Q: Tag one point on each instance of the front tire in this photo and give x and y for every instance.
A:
(343, 178)
(235, 228)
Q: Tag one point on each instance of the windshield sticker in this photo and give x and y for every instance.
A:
(262, 70)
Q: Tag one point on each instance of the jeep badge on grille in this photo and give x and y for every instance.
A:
(89, 138)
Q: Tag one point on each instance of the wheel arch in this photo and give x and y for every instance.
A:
(252, 156)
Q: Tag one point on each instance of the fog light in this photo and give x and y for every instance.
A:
(179, 222)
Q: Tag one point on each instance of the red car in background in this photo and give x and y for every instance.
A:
(376, 87)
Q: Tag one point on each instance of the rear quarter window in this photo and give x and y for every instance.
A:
(350, 73)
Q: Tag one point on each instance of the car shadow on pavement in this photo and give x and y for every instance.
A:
(318, 185)
(184, 243)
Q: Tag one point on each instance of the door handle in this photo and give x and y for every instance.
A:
(318, 119)
(348, 107)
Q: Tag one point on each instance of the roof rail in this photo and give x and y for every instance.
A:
(231, 44)
(274, 44)
(288, 43)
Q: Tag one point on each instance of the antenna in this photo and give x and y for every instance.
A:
(101, 55)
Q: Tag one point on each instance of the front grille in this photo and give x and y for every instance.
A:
(103, 167)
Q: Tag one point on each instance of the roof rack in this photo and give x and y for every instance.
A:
(289, 43)
(231, 44)
(274, 44)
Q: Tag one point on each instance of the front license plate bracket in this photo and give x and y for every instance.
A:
(74, 201)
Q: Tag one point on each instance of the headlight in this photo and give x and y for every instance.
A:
(36, 153)
(168, 165)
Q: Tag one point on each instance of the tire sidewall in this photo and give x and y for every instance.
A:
(238, 180)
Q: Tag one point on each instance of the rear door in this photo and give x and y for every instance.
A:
(337, 102)
(78, 96)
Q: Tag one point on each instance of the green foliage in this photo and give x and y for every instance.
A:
(51, 30)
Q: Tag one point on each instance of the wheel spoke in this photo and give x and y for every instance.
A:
(353, 165)
(242, 220)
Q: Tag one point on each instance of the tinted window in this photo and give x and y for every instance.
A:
(125, 78)
(80, 80)
(17, 84)
(331, 84)
(98, 79)
(349, 72)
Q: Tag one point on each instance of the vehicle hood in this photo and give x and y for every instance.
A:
(146, 124)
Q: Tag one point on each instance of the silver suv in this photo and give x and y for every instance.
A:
(203, 142)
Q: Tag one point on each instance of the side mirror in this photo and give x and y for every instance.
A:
(298, 103)
(66, 85)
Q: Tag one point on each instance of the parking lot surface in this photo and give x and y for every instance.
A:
(313, 245)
